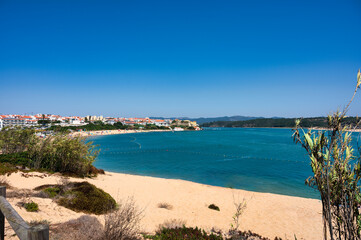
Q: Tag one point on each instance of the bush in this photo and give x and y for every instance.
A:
(16, 140)
(82, 228)
(31, 207)
(172, 223)
(61, 153)
(85, 197)
(20, 158)
(52, 191)
(165, 205)
(184, 233)
(214, 207)
(7, 168)
(248, 235)
(123, 223)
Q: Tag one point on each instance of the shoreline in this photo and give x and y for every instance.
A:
(267, 214)
(113, 132)
(310, 128)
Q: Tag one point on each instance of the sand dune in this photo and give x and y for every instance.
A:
(267, 214)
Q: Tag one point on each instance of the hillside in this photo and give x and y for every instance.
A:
(203, 120)
(277, 122)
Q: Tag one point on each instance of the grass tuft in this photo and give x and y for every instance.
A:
(165, 206)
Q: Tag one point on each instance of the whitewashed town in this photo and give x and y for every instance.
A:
(47, 120)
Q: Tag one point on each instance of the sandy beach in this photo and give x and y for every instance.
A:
(267, 214)
(112, 132)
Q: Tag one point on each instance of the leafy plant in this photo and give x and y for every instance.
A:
(336, 173)
(31, 207)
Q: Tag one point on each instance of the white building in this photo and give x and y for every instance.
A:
(8, 122)
(1, 124)
(160, 123)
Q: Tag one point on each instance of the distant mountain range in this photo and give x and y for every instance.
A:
(203, 120)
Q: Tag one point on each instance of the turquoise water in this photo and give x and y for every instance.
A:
(255, 159)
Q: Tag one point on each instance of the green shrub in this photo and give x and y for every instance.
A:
(16, 140)
(61, 153)
(7, 168)
(214, 207)
(31, 207)
(184, 233)
(85, 197)
(52, 191)
(20, 158)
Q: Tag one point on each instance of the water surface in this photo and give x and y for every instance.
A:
(255, 159)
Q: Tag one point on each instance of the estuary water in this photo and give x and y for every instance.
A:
(255, 159)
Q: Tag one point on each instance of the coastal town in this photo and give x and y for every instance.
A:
(47, 120)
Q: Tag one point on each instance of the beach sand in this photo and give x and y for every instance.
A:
(112, 132)
(267, 214)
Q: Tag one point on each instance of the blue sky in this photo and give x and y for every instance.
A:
(179, 58)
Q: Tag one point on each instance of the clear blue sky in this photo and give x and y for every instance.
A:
(179, 58)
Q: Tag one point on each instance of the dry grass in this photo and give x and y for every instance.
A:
(38, 222)
(170, 224)
(165, 205)
(123, 223)
(4, 182)
(83, 228)
(19, 193)
(25, 194)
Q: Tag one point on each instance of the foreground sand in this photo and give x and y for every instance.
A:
(267, 214)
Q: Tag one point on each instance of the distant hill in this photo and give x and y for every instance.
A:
(212, 119)
(277, 122)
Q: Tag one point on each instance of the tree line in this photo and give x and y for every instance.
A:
(316, 122)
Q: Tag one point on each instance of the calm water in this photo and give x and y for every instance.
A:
(262, 160)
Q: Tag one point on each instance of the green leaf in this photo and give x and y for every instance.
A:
(309, 140)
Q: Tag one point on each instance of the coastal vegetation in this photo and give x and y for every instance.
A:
(124, 222)
(85, 197)
(56, 153)
(336, 171)
(183, 233)
(316, 122)
(79, 197)
(99, 126)
(31, 207)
